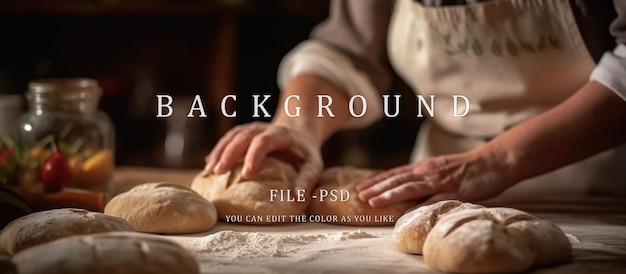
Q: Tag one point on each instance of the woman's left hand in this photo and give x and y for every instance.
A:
(468, 176)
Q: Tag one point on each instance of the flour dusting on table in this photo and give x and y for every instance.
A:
(253, 244)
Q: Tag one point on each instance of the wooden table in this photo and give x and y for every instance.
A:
(596, 227)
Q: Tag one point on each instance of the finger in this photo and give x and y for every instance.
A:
(387, 184)
(405, 192)
(381, 177)
(205, 172)
(215, 153)
(218, 149)
(234, 151)
(260, 147)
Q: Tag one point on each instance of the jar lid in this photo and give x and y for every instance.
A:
(64, 92)
(62, 84)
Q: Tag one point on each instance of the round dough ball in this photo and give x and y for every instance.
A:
(233, 195)
(411, 229)
(494, 240)
(45, 226)
(164, 208)
(348, 177)
(107, 253)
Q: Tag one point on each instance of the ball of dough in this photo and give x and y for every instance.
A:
(233, 195)
(494, 240)
(45, 226)
(107, 253)
(411, 229)
(348, 177)
(164, 208)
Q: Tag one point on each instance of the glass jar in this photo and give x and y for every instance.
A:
(65, 140)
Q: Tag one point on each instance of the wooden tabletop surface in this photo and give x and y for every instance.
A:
(596, 225)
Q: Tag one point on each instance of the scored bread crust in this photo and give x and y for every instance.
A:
(494, 240)
(164, 208)
(409, 233)
(348, 177)
(233, 195)
(45, 226)
(107, 253)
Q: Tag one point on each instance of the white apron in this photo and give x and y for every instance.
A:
(512, 59)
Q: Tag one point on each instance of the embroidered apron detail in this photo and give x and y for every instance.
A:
(512, 59)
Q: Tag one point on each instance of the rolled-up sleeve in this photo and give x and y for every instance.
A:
(349, 50)
(611, 69)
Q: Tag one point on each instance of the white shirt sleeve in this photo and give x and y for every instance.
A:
(317, 58)
(611, 71)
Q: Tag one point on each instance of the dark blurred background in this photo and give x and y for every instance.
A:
(137, 49)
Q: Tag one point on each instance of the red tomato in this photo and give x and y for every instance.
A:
(56, 172)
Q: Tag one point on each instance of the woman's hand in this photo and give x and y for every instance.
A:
(467, 177)
(295, 139)
(586, 123)
(254, 141)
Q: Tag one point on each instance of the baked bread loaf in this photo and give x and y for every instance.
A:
(107, 253)
(233, 195)
(411, 229)
(45, 226)
(348, 177)
(494, 240)
(165, 208)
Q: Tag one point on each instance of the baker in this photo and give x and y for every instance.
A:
(546, 81)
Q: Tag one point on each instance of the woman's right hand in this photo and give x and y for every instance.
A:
(254, 141)
(296, 139)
